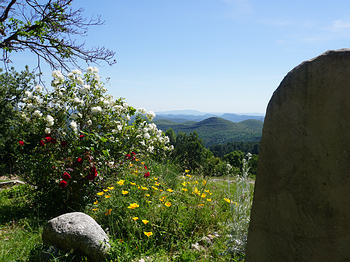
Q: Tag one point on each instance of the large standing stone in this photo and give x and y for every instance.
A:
(77, 231)
(301, 206)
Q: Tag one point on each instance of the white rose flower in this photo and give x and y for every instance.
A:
(74, 126)
(37, 113)
(76, 72)
(47, 130)
(38, 88)
(50, 120)
(28, 94)
(80, 81)
(150, 115)
(141, 110)
(96, 109)
(89, 122)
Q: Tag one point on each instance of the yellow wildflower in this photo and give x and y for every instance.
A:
(184, 183)
(161, 190)
(96, 202)
(162, 198)
(204, 182)
(227, 200)
(155, 178)
(168, 204)
(136, 159)
(209, 199)
(108, 212)
(135, 218)
(121, 182)
(207, 191)
(142, 163)
(203, 195)
(94, 209)
(106, 190)
(144, 188)
(155, 188)
(196, 182)
(107, 196)
(124, 192)
(110, 187)
(132, 183)
(187, 171)
(131, 165)
(170, 190)
(188, 175)
(196, 191)
(184, 189)
(145, 221)
(133, 206)
(201, 205)
(148, 234)
(156, 183)
(148, 201)
(100, 193)
(147, 195)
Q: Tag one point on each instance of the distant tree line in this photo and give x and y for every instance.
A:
(190, 152)
(245, 147)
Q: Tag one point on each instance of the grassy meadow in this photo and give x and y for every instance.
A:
(172, 215)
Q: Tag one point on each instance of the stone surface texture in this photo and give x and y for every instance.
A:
(301, 206)
(77, 231)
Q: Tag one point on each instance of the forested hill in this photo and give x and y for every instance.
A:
(215, 130)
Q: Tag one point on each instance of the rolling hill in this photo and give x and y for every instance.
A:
(216, 130)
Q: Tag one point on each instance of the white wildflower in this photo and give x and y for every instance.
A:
(147, 136)
(58, 75)
(80, 81)
(141, 110)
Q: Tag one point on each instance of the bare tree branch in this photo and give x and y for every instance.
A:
(47, 31)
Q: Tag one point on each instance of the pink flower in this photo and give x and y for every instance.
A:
(21, 143)
(146, 174)
(62, 184)
(66, 176)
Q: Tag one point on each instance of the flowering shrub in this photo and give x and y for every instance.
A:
(77, 136)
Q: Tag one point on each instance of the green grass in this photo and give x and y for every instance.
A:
(175, 229)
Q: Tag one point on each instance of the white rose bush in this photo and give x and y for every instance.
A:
(73, 133)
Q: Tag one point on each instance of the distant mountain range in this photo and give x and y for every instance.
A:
(182, 116)
(211, 129)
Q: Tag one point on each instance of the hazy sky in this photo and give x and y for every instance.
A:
(211, 55)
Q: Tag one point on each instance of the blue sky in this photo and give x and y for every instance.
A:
(211, 55)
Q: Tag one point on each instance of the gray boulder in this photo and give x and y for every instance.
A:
(77, 231)
(301, 206)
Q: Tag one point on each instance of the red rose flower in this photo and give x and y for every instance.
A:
(21, 143)
(146, 174)
(146, 167)
(81, 136)
(66, 176)
(133, 153)
(128, 156)
(79, 160)
(42, 142)
(93, 173)
(63, 143)
(62, 184)
(48, 139)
